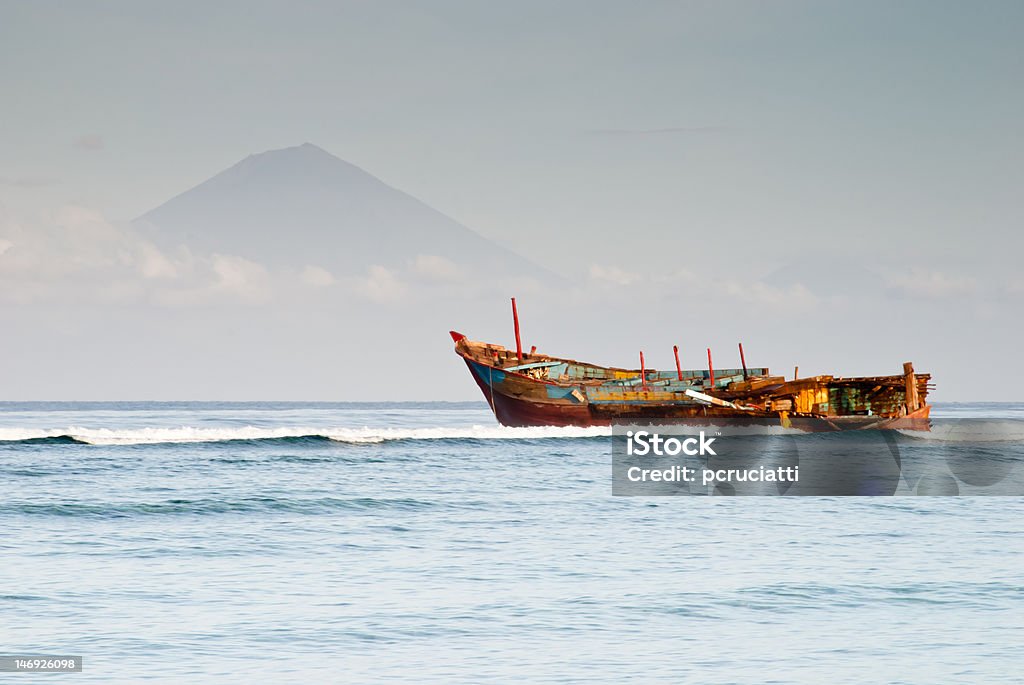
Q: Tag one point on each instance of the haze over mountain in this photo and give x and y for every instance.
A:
(301, 206)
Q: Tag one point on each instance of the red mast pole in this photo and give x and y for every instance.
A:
(643, 371)
(679, 369)
(711, 369)
(743, 361)
(515, 320)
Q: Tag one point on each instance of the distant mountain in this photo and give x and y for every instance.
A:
(302, 205)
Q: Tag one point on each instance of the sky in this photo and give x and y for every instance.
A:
(839, 182)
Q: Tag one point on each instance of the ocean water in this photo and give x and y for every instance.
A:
(352, 543)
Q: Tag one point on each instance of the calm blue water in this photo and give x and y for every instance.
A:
(421, 543)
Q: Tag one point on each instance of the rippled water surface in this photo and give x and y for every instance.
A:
(422, 543)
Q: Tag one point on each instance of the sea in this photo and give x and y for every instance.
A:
(423, 543)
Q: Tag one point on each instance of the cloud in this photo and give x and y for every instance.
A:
(707, 288)
(240, 276)
(73, 240)
(381, 285)
(75, 254)
(1013, 287)
(796, 296)
(316, 276)
(435, 268)
(154, 264)
(929, 284)
(613, 275)
(90, 142)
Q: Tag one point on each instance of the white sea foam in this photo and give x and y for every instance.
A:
(188, 434)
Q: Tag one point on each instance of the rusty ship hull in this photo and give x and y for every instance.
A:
(542, 390)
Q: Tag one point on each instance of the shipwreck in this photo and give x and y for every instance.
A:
(532, 389)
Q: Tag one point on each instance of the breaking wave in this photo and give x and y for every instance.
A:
(365, 435)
